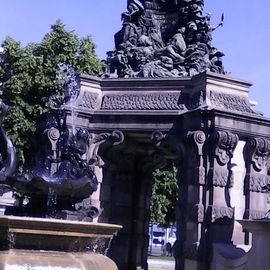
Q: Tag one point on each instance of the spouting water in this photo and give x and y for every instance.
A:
(74, 115)
(51, 202)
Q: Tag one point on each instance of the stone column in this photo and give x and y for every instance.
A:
(220, 214)
(205, 214)
(256, 153)
(191, 206)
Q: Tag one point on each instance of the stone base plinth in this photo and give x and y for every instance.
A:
(228, 257)
(258, 257)
(43, 260)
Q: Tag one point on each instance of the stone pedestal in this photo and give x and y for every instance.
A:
(258, 257)
(229, 257)
(31, 243)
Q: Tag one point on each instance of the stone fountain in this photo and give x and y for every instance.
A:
(166, 89)
(46, 221)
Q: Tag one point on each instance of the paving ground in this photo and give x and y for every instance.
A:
(161, 263)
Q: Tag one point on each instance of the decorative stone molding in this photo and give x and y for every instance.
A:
(53, 136)
(230, 102)
(89, 101)
(225, 143)
(195, 171)
(257, 182)
(223, 146)
(143, 101)
(220, 214)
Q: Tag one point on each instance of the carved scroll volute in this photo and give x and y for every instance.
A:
(223, 146)
(196, 170)
(257, 153)
(95, 140)
(53, 136)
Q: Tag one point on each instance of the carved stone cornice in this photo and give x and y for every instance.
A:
(230, 102)
(223, 144)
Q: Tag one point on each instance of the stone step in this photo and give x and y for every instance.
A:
(157, 264)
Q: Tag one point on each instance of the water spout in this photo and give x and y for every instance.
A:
(51, 202)
(74, 115)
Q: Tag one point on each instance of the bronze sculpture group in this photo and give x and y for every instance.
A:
(164, 39)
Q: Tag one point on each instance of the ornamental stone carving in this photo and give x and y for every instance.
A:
(143, 101)
(257, 153)
(89, 101)
(195, 170)
(230, 102)
(164, 39)
(223, 146)
(221, 214)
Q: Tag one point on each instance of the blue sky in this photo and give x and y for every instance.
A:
(245, 37)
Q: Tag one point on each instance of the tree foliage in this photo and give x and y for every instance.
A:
(28, 81)
(164, 197)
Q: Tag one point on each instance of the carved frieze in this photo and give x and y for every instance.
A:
(89, 101)
(230, 102)
(143, 101)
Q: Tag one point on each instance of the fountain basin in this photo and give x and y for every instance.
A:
(36, 244)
